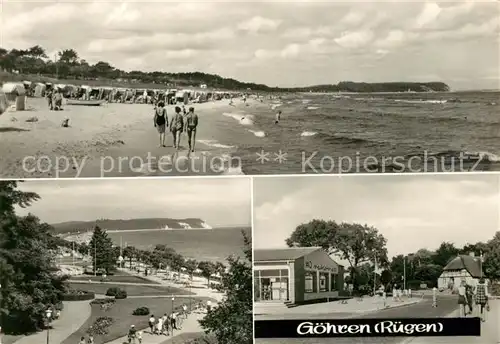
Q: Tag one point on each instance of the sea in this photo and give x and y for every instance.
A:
(365, 133)
(214, 245)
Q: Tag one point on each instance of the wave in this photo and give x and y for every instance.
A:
(308, 133)
(348, 140)
(312, 107)
(420, 101)
(241, 118)
(306, 101)
(257, 133)
(214, 143)
(274, 106)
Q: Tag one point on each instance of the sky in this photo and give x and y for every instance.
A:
(283, 43)
(411, 212)
(219, 202)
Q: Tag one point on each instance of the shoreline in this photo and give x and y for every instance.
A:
(113, 140)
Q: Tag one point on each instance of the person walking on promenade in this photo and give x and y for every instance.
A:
(132, 334)
(462, 299)
(482, 298)
(152, 322)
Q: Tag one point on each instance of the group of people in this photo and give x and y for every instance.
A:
(88, 340)
(468, 296)
(181, 121)
(54, 99)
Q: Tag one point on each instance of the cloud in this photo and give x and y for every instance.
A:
(209, 199)
(412, 212)
(259, 25)
(246, 40)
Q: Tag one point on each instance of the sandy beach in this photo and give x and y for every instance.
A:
(111, 140)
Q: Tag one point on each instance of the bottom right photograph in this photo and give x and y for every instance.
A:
(377, 259)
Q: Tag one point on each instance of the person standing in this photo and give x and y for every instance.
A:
(139, 337)
(482, 298)
(177, 126)
(49, 95)
(469, 293)
(174, 321)
(277, 117)
(191, 125)
(462, 299)
(161, 121)
(159, 326)
(132, 334)
(434, 297)
(184, 311)
(152, 321)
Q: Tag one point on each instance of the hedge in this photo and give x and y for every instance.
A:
(80, 295)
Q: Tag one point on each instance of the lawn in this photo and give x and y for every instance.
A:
(121, 313)
(121, 278)
(132, 290)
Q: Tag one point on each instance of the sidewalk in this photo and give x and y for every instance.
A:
(73, 316)
(490, 331)
(189, 325)
(352, 306)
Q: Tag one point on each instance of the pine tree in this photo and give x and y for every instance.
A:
(101, 250)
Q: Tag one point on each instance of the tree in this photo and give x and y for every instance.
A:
(386, 277)
(317, 233)
(207, 270)
(190, 265)
(445, 253)
(491, 265)
(232, 321)
(68, 56)
(27, 270)
(103, 255)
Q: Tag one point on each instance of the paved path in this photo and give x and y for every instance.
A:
(73, 316)
(329, 309)
(117, 283)
(189, 325)
(490, 331)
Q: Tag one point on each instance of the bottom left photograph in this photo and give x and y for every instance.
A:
(153, 261)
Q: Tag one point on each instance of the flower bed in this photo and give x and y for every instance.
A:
(78, 295)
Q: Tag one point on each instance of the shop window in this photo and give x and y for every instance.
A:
(323, 282)
(309, 283)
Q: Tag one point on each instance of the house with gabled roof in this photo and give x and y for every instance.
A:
(466, 268)
(296, 275)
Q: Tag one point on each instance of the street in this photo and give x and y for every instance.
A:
(424, 309)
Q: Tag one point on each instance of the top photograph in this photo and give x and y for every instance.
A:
(136, 89)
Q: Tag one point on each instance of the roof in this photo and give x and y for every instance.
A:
(469, 263)
(291, 253)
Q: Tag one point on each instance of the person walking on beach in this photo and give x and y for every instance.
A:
(277, 117)
(49, 95)
(161, 121)
(462, 299)
(482, 298)
(152, 324)
(191, 125)
(177, 126)
(57, 100)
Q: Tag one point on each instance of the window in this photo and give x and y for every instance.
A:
(333, 282)
(323, 282)
(309, 287)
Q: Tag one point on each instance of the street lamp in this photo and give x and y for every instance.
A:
(48, 315)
